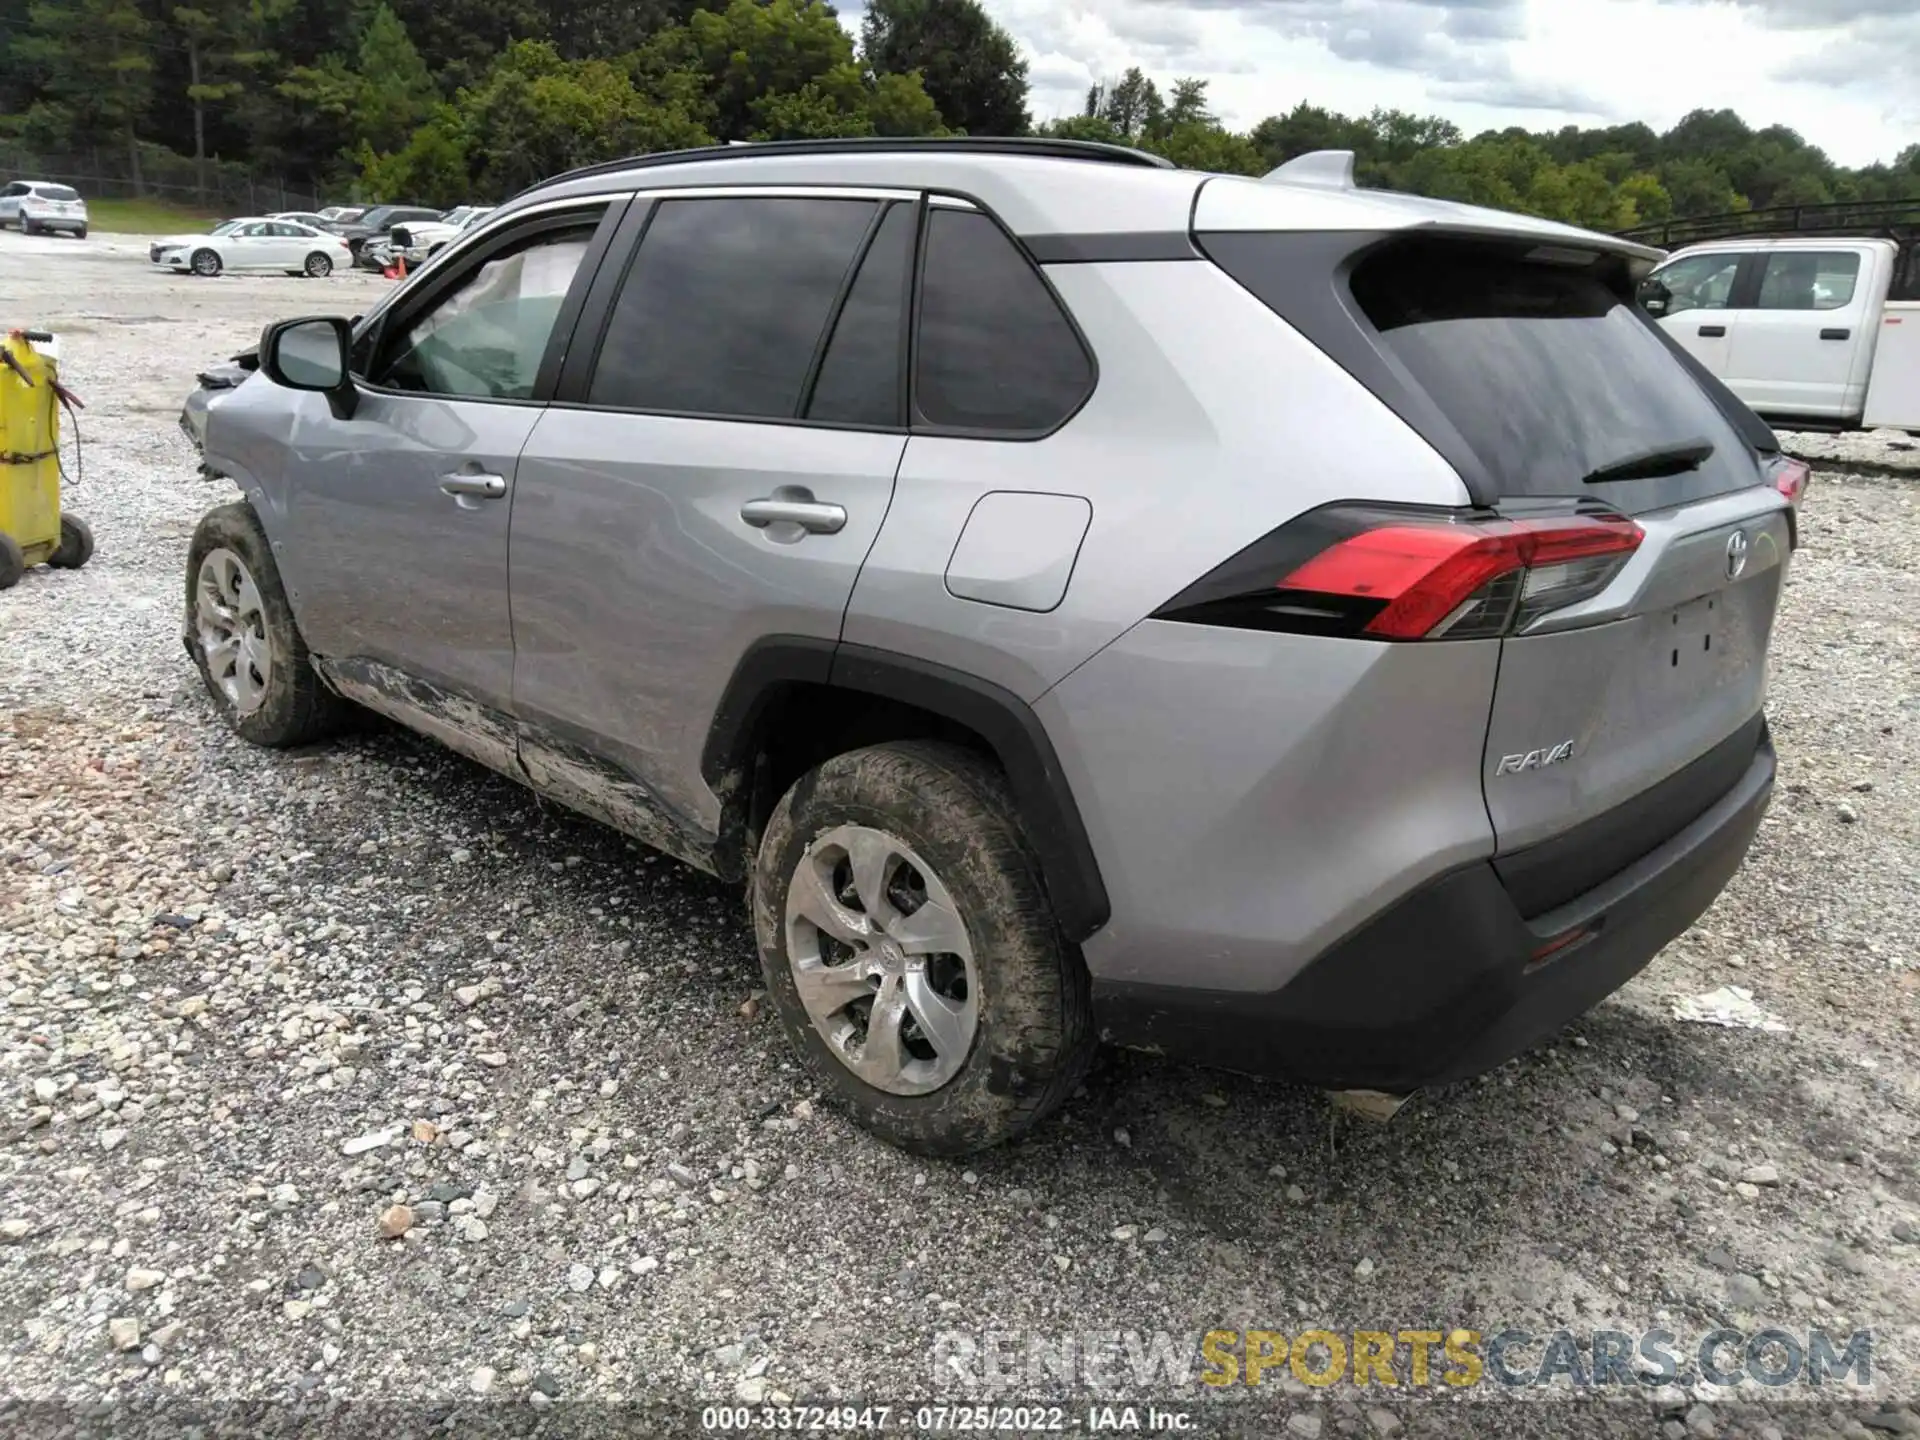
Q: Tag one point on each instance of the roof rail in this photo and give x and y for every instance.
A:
(1040, 146)
(1884, 219)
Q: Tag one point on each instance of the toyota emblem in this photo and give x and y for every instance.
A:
(1737, 548)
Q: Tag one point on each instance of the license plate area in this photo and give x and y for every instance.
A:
(1706, 642)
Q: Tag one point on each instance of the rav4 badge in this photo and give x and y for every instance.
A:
(1535, 759)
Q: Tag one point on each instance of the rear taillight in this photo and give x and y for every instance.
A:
(1790, 478)
(1410, 575)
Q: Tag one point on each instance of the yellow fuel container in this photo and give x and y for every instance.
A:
(32, 529)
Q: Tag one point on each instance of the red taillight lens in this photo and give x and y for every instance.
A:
(1459, 579)
(1790, 478)
(1395, 575)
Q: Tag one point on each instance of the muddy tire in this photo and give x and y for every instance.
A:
(76, 544)
(242, 637)
(976, 1020)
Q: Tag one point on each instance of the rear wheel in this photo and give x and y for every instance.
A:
(319, 265)
(81, 233)
(242, 636)
(910, 950)
(13, 561)
(27, 227)
(205, 262)
(76, 544)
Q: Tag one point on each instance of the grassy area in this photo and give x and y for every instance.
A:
(146, 217)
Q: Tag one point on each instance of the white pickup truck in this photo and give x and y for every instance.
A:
(1822, 330)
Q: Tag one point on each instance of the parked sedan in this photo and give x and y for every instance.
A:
(253, 243)
(37, 206)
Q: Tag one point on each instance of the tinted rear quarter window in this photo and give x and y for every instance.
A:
(1548, 373)
(994, 352)
(725, 305)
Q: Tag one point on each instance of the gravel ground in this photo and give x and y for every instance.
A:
(262, 1010)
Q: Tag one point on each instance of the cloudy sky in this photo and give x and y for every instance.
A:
(1845, 73)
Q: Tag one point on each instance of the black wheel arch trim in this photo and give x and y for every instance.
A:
(1002, 719)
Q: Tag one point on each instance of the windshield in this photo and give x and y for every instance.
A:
(377, 217)
(225, 227)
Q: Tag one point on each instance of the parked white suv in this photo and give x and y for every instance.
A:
(1316, 631)
(37, 206)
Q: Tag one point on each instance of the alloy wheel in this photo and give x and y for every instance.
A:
(231, 622)
(882, 960)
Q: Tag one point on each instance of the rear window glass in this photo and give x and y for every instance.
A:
(57, 192)
(1548, 374)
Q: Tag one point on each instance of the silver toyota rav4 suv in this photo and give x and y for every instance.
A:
(1315, 631)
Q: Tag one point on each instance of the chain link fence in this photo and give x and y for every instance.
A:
(224, 186)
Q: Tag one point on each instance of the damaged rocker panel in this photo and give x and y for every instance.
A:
(563, 772)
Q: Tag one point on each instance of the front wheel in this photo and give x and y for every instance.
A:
(910, 950)
(319, 266)
(206, 263)
(242, 636)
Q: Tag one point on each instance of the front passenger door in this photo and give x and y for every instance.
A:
(1697, 292)
(397, 536)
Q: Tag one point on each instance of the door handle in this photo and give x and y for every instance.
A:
(1713, 332)
(1836, 334)
(809, 514)
(479, 487)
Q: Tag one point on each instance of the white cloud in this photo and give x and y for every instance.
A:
(1844, 73)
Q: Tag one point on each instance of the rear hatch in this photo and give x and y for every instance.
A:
(1620, 717)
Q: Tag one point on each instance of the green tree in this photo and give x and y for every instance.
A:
(1197, 145)
(94, 59)
(1187, 104)
(1132, 105)
(396, 91)
(227, 54)
(969, 66)
(752, 51)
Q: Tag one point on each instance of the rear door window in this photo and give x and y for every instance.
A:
(995, 352)
(1809, 280)
(1549, 375)
(726, 304)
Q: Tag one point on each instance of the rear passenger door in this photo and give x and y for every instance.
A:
(1797, 345)
(720, 455)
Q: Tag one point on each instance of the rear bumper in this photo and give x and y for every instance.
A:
(1450, 981)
